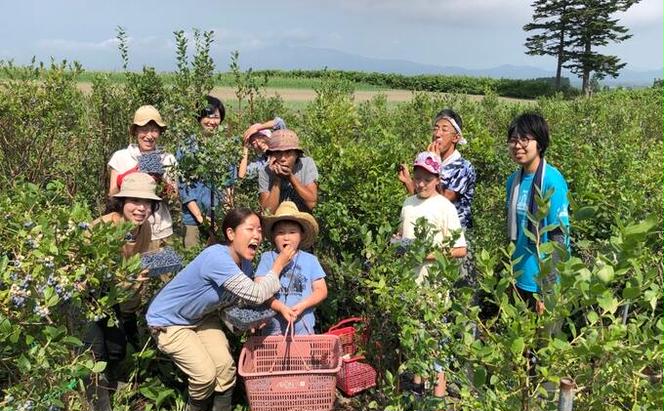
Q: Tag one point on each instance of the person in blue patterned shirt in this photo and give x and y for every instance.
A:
(457, 178)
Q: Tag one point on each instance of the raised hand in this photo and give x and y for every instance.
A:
(284, 257)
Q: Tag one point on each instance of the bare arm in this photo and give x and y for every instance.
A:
(255, 128)
(406, 180)
(318, 295)
(309, 192)
(242, 168)
(456, 252)
(270, 200)
(193, 208)
(113, 184)
(453, 196)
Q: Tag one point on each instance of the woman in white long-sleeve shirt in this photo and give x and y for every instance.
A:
(183, 316)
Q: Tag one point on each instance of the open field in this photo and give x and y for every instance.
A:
(295, 95)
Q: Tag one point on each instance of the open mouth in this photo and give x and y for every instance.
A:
(253, 245)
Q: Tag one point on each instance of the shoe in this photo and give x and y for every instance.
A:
(222, 401)
(98, 394)
(197, 405)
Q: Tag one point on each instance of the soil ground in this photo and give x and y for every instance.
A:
(306, 95)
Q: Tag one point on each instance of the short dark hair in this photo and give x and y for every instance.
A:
(235, 217)
(213, 104)
(448, 112)
(116, 205)
(533, 125)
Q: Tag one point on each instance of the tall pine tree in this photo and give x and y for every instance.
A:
(551, 20)
(592, 27)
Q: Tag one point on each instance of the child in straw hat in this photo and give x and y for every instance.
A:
(303, 284)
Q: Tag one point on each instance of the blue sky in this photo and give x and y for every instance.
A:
(464, 33)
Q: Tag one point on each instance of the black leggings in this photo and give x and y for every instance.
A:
(108, 343)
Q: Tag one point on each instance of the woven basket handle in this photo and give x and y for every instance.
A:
(290, 327)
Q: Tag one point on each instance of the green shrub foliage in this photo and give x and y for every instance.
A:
(55, 273)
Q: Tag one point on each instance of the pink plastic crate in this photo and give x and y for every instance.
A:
(291, 373)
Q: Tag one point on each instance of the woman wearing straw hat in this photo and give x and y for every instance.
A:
(183, 317)
(289, 174)
(146, 127)
(303, 284)
(133, 204)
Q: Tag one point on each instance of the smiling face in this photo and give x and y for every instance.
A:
(444, 133)
(136, 210)
(259, 143)
(147, 136)
(243, 241)
(524, 151)
(211, 123)
(425, 182)
(286, 234)
(285, 158)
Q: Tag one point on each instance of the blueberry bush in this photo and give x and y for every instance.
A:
(603, 322)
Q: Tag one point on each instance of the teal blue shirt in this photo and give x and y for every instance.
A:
(527, 267)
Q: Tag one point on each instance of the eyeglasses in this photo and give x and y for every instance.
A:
(522, 140)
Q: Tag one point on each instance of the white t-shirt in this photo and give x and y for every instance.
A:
(123, 160)
(437, 211)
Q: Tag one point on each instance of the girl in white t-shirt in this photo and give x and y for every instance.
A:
(441, 214)
(146, 128)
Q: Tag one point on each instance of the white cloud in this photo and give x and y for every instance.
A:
(448, 12)
(76, 45)
(647, 13)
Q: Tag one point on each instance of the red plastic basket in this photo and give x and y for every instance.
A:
(355, 376)
(345, 330)
(289, 373)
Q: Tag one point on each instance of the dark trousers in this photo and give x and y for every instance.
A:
(108, 343)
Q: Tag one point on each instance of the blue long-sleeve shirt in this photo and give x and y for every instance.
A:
(200, 191)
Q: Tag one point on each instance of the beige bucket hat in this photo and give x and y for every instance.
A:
(144, 115)
(284, 140)
(287, 211)
(139, 185)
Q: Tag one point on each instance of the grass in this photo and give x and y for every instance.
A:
(227, 80)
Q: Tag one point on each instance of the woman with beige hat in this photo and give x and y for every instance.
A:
(146, 127)
(288, 175)
(133, 204)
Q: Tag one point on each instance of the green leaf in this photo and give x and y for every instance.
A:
(608, 302)
(517, 346)
(631, 293)
(98, 367)
(71, 340)
(585, 213)
(652, 296)
(479, 377)
(592, 317)
(605, 274)
(641, 228)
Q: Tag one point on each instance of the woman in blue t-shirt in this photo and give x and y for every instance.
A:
(527, 141)
(183, 316)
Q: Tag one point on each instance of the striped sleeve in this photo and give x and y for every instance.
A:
(246, 289)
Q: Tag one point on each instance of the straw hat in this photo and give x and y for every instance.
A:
(287, 211)
(139, 185)
(284, 140)
(144, 115)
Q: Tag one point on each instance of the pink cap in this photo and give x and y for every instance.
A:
(429, 161)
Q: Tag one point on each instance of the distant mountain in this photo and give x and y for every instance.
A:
(309, 58)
